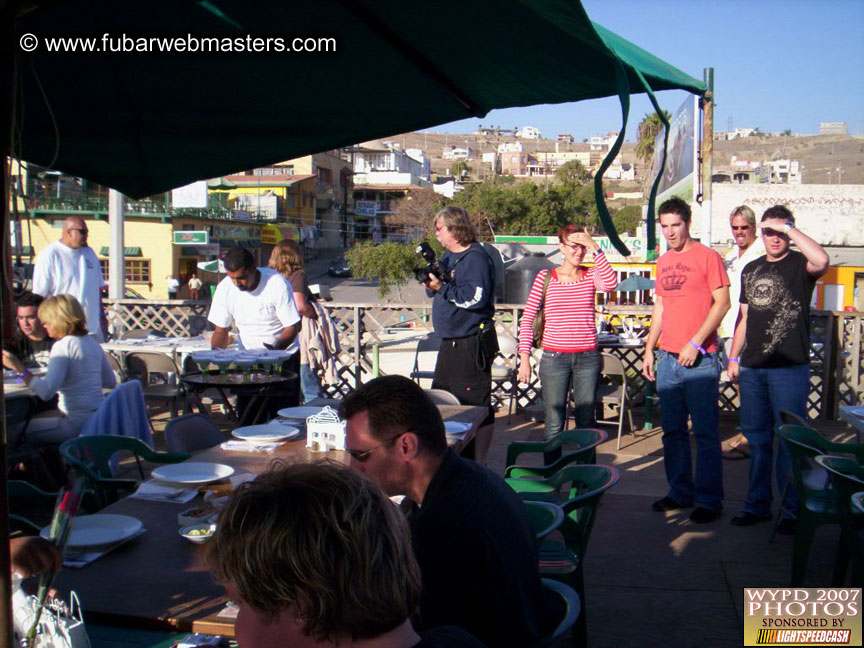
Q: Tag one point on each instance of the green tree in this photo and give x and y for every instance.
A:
(460, 168)
(787, 133)
(390, 264)
(646, 134)
(415, 212)
(572, 172)
(627, 218)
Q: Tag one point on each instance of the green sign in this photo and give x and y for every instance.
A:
(191, 237)
(533, 240)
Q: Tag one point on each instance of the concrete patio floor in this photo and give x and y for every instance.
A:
(656, 579)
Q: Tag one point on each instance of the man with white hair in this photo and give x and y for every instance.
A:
(70, 266)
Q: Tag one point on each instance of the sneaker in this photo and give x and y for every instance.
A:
(668, 504)
(787, 526)
(746, 518)
(702, 515)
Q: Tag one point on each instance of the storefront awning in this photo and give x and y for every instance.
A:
(127, 251)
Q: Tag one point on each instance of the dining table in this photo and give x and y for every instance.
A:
(160, 580)
(854, 416)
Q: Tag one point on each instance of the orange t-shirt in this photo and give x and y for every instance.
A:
(685, 281)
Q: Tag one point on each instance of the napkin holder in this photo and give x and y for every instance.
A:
(325, 431)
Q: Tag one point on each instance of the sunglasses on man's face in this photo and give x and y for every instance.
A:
(362, 456)
(740, 228)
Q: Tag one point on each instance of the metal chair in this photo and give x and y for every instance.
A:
(119, 373)
(138, 334)
(429, 344)
(90, 457)
(441, 397)
(192, 432)
(504, 371)
(614, 394)
(144, 364)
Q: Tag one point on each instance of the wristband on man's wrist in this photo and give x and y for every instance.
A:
(701, 349)
(738, 360)
(21, 376)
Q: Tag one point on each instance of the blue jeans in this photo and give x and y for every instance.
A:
(694, 391)
(764, 392)
(309, 384)
(558, 371)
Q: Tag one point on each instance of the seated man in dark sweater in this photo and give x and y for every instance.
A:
(316, 556)
(30, 343)
(471, 535)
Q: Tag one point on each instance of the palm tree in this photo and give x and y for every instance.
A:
(649, 128)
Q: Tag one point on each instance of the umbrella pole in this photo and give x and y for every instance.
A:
(7, 18)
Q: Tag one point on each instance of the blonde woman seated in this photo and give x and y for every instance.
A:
(77, 370)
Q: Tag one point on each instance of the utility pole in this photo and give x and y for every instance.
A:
(707, 104)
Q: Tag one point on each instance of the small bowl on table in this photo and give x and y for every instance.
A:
(198, 533)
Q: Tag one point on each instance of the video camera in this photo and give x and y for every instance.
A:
(433, 266)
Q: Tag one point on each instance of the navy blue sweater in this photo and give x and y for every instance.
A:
(460, 306)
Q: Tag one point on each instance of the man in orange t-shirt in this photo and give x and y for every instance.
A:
(692, 295)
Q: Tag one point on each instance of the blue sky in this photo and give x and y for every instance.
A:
(778, 64)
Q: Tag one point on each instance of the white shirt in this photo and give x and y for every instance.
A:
(61, 270)
(173, 284)
(260, 314)
(78, 369)
(734, 265)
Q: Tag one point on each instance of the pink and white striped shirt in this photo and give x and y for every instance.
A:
(570, 325)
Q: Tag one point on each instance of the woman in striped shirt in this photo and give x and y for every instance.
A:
(570, 354)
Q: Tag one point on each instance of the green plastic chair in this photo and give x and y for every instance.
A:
(572, 608)
(89, 456)
(816, 505)
(564, 561)
(586, 440)
(30, 508)
(544, 518)
(847, 478)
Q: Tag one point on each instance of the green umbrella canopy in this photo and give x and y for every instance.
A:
(144, 123)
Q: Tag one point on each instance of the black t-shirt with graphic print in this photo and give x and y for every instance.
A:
(778, 296)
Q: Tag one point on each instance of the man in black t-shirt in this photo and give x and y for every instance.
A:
(770, 355)
(30, 343)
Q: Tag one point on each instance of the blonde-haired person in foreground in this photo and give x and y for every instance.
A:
(316, 555)
(77, 370)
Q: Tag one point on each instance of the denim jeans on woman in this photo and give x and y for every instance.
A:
(694, 391)
(558, 371)
(764, 392)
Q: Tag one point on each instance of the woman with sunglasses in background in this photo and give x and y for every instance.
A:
(569, 342)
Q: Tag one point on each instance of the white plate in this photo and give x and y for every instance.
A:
(98, 530)
(192, 472)
(269, 433)
(302, 412)
(456, 427)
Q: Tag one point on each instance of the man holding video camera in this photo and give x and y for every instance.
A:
(462, 311)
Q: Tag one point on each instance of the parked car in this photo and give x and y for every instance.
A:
(128, 293)
(339, 268)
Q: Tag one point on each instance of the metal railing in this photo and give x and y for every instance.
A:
(365, 332)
